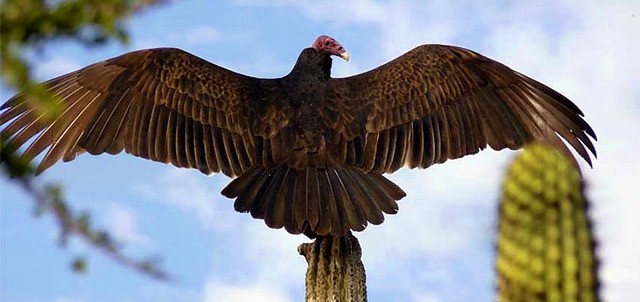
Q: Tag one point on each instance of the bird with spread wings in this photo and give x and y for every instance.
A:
(308, 151)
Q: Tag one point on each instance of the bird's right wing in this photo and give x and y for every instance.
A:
(161, 104)
(439, 102)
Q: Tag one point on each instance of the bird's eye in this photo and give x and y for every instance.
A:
(326, 43)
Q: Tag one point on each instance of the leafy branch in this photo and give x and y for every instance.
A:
(26, 26)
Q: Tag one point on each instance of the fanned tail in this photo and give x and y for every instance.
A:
(315, 201)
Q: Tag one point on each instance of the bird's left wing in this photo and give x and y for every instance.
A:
(162, 104)
(438, 102)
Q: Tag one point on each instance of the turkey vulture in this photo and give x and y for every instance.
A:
(308, 150)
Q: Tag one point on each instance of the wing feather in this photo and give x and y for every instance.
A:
(162, 104)
(450, 102)
(415, 147)
(160, 143)
(53, 130)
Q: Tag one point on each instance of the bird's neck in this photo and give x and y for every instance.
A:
(312, 64)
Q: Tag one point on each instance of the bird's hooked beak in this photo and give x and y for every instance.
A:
(345, 56)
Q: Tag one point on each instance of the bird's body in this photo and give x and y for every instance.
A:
(307, 85)
(308, 150)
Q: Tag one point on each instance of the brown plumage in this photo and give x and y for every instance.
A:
(309, 150)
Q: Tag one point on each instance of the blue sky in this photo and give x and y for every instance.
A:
(439, 247)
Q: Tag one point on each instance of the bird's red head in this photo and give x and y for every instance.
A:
(329, 45)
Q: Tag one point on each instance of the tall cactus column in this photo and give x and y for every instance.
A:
(545, 241)
(335, 271)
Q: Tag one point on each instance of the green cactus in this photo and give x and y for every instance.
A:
(545, 243)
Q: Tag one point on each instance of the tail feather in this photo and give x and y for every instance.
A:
(344, 205)
(388, 186)
(369, 204)
(273, 214)
(301, 201)
(296, 210)
(313, 207)
(245, 202)
(357, 219)
(330, 220)
(315, 201)
(383, 198)
(285, 198)
(254, 176)
(386, 193)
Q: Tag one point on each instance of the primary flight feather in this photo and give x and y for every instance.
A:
(308, 150)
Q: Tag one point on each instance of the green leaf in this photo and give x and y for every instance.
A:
(79, 265)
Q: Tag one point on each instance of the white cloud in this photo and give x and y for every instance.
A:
(188, 192)
(426, 298)
(357, 11)
(443, 223)
(221, 292)
(264, 64)
(450, 209)
(399, 23)
(583, 49)
(122, 222)
(147, 43)
(283, 268)
(274, 261)
(55, 66)
(592, 64)
(202, 35)
(67, 299)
